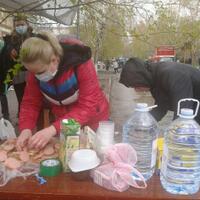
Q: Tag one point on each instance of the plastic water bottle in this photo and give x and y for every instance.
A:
(180, 169)
(141, 131)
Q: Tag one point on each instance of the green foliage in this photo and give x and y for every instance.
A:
(73, 1)
(103, 29)
(13, 72)
(115, 30)
(17, 67)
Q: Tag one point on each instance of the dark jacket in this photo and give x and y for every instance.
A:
(168, 82)
(5, 61)
(13, 41)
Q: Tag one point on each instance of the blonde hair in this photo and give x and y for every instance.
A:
(40, 48)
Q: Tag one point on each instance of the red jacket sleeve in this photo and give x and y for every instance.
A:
(90, 96)
(31, 104)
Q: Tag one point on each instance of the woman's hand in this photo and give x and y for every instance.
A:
(41, 138)
(23, 139)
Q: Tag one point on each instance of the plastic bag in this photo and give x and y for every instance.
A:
(6, 130)
(26, 170)
(118, 165)
(28, 159)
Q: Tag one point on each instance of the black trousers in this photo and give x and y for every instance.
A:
(3, 98)
(19, 91)
(4, 106)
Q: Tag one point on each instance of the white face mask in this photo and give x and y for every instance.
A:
(46, 76)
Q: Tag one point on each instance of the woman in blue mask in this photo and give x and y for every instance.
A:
(10, 53)
(22, 32)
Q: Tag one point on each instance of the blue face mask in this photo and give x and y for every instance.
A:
(2, 43)
(46, 76)
(21, 29)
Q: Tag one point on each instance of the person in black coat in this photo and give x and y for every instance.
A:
(168, 83)
(8, 57)
(5, 62)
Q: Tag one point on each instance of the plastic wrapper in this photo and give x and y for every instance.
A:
(26, 170)
(6, 129)
(118, 165)
(24, 163)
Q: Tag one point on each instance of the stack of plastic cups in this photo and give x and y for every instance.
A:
(105, 136)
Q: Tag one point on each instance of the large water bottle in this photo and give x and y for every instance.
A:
(180, 169)
(141, 131)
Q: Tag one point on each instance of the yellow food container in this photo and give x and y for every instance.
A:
(160, 143)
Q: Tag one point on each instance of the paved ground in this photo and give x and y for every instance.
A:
(122, 101)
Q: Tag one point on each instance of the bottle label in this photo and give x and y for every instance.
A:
(154, 153)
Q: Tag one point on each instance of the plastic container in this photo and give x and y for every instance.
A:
(141, 131)
(180, 169)
(83, 159)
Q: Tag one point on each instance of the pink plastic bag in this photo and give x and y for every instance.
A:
(118, 165)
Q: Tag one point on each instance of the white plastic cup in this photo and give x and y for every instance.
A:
(105, 135)
(106, 129)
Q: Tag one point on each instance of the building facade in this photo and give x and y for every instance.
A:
(6, 24)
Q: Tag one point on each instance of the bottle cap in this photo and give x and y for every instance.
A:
(185, 100)
(186, 113)
(143, 107)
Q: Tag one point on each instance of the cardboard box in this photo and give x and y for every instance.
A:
(68, 146)
(69, 140)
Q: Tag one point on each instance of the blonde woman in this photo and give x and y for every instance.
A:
(63, 76)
